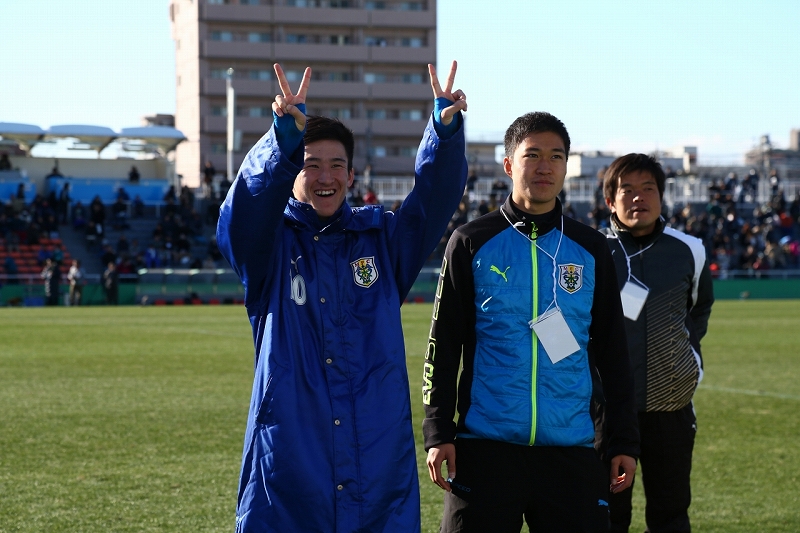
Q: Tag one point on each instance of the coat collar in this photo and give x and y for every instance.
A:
(624, 234)
(531, 225)
(302, 215)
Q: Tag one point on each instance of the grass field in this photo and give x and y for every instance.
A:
(131, 419)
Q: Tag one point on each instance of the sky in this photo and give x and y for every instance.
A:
(628, 75)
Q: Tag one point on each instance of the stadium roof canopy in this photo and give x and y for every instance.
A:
(89, 137)
(163, 138)
(26, 135)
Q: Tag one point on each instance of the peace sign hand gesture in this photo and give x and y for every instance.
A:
(458, 97)
(288, 102)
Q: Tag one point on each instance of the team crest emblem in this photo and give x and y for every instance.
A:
(570, 277)
(364, 271)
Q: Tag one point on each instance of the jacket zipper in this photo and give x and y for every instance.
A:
(534, 338)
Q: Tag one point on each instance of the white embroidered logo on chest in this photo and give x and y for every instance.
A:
(570, 277)
(365, 272)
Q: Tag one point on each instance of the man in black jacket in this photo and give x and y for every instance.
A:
(666, 294)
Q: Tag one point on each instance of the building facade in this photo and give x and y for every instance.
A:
(766, 158)
(592, 164)
(368, 58)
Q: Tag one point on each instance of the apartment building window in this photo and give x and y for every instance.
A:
(259, 37)
(295, 38)
(413, 42)
(410, 114)
(340, 39)
(293, 75)
(224, 36)
(340, 3)
(260, 75)
(261, 111)
(218, 2)
(222, 147)
(375, 41)
(250, 2)
(396, 6)
(219, 73)
(341, 114)
(371, 77)
(411, 78)
(407, 151)
(219, 111)
(336, 76)
(378, 151)
(410, 6)
(377, 114)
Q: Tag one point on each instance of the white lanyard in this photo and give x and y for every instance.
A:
(633, 296)
(516, 226)
(628, 260)
(550, 327)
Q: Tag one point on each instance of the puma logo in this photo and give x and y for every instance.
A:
(294, 263)
(499, 272)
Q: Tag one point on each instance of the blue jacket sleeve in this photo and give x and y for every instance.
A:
(251, 217)
(440, 175)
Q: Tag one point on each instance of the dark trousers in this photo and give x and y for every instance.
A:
(665, 467)
(555, 489)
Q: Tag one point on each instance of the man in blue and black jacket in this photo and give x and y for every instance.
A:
(528, 303)
(329, 444)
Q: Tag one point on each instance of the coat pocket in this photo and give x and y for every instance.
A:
(266, 415)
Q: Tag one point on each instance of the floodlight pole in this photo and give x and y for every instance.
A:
(231, 112)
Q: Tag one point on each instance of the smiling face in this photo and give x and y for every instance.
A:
(324, 180)
(537, 168)
(637, 202)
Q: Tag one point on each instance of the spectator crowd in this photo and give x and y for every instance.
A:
(740, 234)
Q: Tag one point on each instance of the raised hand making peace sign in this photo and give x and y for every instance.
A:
(458, 97)
(287, 102)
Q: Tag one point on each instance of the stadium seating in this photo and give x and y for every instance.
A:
(26, 256)
(84, 189)
(9, 188)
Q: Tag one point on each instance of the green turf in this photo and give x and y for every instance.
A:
(131, 419)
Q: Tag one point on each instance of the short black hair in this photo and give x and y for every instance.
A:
(622, 166)
(537, 122)
(330, 129)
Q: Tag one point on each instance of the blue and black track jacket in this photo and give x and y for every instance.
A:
(498, 275)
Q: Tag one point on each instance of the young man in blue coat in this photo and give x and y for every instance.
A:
(329, 443)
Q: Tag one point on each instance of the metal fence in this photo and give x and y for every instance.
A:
(678, 191)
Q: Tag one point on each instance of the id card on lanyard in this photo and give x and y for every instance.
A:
(633, 297)
(634, 292)
(555, 335)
